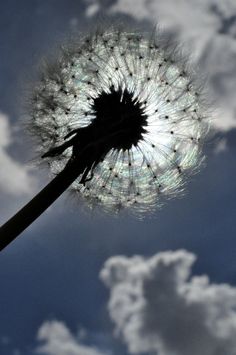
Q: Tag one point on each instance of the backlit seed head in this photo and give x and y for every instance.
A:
(138, 96)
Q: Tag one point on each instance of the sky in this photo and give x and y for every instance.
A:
(79, 283)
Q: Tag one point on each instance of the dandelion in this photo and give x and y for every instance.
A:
(126, 114)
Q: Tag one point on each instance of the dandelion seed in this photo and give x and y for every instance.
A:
(136, 95)
(121, 120)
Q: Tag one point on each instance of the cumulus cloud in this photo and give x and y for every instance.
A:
(15, 178)
(58, 340)
(158, 307)
(208, 28)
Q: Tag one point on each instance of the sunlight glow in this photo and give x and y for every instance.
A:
(160, 80)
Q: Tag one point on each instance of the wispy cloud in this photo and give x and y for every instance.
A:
(158, 307)
(57, 339)
(15, 178)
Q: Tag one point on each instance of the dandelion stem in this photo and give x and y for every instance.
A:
(34, 208)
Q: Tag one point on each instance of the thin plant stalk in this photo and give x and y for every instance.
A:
(34, 208)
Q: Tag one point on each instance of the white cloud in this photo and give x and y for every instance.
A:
(92, 8)
(200, 25)
(15, 178)
(58, 340)
(221, 146)
(159, 308)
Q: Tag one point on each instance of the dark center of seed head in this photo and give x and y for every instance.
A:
(119, 119)
(119, 123)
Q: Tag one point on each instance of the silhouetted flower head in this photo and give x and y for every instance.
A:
(136, 100)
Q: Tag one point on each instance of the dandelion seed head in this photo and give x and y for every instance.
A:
(144, 88)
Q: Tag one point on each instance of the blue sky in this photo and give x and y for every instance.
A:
(51, 273)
